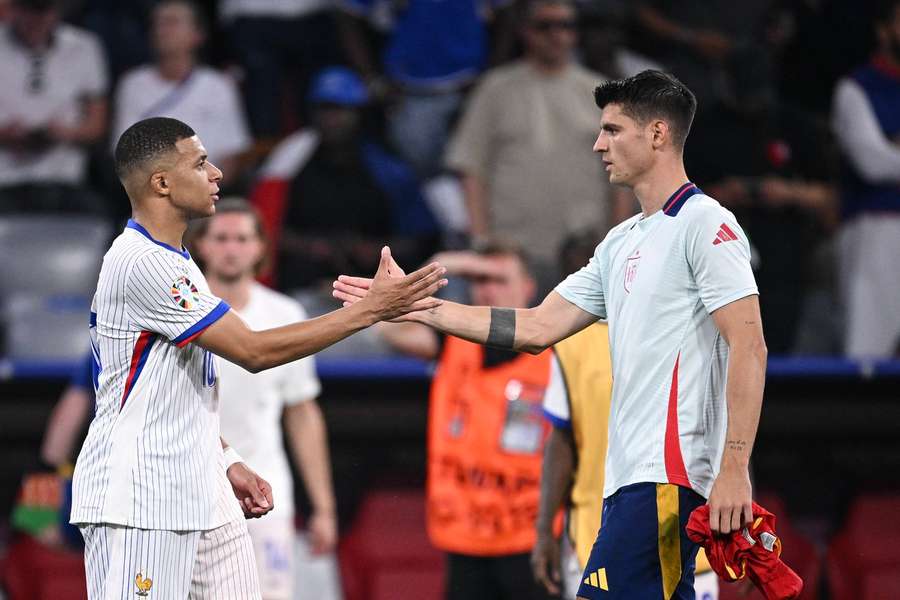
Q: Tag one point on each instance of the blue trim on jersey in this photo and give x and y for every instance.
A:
(677, 200)
(93, 319)
(557, 422)
(132, 224)
(210, 318)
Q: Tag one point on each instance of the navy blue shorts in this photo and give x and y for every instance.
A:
(642, 551)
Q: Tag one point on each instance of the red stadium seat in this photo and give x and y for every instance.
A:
(387, 555)
(33, 571)
(799, 553)
(866, 549)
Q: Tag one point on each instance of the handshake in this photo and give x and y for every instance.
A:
(392, 294)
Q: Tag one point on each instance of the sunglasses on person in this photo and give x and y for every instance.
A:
(546, 25)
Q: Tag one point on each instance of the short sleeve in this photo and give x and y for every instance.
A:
(161, 297)
(299, 381)
(556, 399)
(718, 253)
(584, 288)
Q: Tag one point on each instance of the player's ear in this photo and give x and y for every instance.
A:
(659, 133)
(159, 184)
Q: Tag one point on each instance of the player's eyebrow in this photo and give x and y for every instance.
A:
(200, 159)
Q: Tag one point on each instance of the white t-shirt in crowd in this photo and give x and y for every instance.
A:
(251, 404)
(206, 100)
(38, 89)
(657, 280)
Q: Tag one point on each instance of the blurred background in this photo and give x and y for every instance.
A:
(435, 125)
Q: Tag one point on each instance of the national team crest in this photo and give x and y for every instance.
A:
(185, 293)
(631, 266)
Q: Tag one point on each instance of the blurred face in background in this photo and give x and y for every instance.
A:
(509, 284)
(336, 123)
(231, 248)
(175, 30)
(550, 34)
(33, 27)
(889, 35)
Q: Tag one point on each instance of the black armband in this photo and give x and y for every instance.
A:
(502, 333)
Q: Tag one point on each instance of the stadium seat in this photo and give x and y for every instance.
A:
(33, 571)
(52, 254)
(799, 553)
(46, 289)
(387, 555)
(866, 549)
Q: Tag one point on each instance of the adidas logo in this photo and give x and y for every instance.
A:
(597, 579)
(725, 234)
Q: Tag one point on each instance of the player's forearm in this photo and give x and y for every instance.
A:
(506, 328)
(744, 390)
(309, 441)
(274, 347)
(556, 476)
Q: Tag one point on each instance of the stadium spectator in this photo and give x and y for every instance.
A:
(123, 28)
(485, 436)
(602, 41)
(434, 50)
(331, 198)
(523, 146)
(177, 85)
(230, 245)
(279, 44)
(866, 122)
(52, 106)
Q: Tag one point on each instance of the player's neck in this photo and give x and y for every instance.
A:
(175, 67)
(236, 292)
(161, 228)
(656, 186)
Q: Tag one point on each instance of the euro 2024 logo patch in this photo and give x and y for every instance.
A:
(185, 293)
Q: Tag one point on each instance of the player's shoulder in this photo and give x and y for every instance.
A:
(133, 251)
(701, 208)
(277, 304)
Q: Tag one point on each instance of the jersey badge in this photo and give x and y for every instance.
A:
(631, 267)
(725, 234)
(185, 293)
(143, 585)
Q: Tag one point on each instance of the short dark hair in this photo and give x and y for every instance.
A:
(146, 140)
(652, 94)
(499, 246)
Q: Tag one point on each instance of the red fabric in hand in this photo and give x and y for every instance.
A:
(753, 552)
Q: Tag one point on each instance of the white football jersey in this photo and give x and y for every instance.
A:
(657, 280)
(251, 404)
(152, 458)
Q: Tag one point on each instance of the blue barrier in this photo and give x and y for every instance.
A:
(395, 367)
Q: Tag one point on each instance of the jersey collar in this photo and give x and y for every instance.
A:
(677, 200)
(132, 224)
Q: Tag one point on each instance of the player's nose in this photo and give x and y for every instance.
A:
(600, 145)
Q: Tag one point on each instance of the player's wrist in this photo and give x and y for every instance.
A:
(231, 457)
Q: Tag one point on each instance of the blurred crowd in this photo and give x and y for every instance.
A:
(435, 125)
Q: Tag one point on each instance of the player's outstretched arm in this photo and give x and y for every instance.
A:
(730, 501)
(529, 330)
(390, 297)
(557, 470)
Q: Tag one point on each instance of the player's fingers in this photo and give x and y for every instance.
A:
(714, 519)
(748, 514)
(385, 263)
(423, 272)
(429, 290)
(359, 282)
(259, 497)
(736, 518)
(425, 304)
(351, 290)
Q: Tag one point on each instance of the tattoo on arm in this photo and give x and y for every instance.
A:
(736, 445)
(502, 333)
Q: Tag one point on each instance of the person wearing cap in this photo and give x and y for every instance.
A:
(52, 106)
(330, 196)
